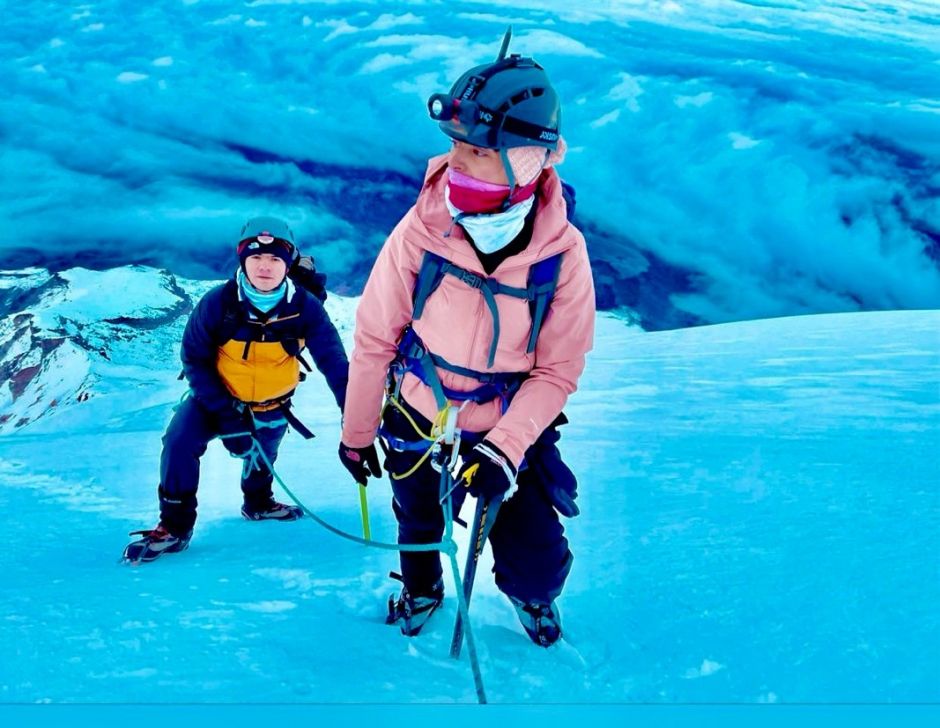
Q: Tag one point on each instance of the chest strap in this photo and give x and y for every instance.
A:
(543, 279)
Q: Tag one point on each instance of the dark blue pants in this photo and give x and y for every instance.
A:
(185, 441)
(531, 558)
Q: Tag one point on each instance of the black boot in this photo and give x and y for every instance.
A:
(154, 544)
(414, 610)
(541, 621)
(271, 510)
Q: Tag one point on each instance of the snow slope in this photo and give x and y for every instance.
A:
(760, 512)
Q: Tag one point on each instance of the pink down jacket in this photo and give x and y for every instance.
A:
(456, 323)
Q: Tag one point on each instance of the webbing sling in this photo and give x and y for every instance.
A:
(543, 279)
(292, 420)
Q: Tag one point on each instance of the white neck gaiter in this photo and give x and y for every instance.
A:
(492, 231)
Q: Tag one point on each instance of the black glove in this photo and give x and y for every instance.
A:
(236, 420)
(361, 462)
(487, 472)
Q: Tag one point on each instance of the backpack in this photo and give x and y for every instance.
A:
(305, 275)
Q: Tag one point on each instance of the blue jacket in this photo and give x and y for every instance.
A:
(231, 351)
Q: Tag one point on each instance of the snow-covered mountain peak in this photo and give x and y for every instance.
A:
(80, 334)
(131, 293)
(61, 329)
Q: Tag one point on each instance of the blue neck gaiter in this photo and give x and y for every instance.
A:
(264, 302)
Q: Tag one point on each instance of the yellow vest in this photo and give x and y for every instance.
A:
(268, 375)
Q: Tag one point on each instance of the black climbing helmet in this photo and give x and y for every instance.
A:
(500, 105)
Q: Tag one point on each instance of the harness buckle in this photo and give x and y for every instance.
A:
(471, 279)
(410, 345)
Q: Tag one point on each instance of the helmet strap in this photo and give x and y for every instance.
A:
(504, 155)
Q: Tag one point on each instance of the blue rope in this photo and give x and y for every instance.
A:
(447, 546)
(256, 452)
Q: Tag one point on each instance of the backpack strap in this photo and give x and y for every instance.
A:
(230, 319)
(488, 287)
(569, 195)
(543, 279)
(294, 348)
(429, 278)
(233, 320)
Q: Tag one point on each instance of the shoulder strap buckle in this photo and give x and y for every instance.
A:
(471, 279)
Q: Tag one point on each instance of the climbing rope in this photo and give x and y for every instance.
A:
(443, 446)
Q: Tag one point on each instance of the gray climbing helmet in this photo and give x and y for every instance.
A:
(500, 105)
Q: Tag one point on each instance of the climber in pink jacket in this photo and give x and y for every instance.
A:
(481, 297)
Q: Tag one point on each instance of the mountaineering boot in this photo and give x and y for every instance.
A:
(271, 510)
(413, 611)
(541, 621)
(153, 544)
